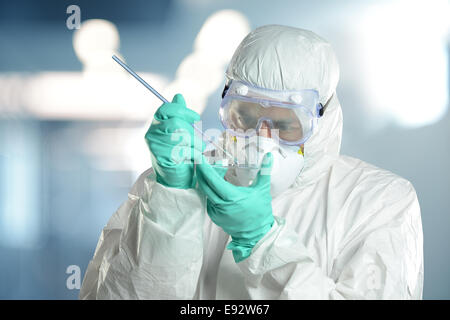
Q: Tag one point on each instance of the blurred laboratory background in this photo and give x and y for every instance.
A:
(72, 122)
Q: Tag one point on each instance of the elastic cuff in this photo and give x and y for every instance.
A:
(242, 247)
(176, 184)
(240, 252)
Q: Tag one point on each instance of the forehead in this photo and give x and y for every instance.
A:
(281, 113)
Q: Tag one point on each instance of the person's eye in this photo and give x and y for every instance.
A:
(241, 120)
(284, 125)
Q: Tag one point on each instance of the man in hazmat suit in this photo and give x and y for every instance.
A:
(310, 224)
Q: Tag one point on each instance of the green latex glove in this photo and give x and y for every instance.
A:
(173, 145)
(245, 213)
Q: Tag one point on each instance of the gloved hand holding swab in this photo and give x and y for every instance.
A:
(157, 94)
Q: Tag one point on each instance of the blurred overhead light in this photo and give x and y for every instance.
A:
(94, 44)
(202, 72)
(104, 91)
(405, 45)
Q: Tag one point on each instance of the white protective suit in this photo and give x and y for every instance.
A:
(345, 230)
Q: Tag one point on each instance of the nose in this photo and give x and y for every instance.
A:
(264, 130)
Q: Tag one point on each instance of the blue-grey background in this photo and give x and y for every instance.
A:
(56, 194)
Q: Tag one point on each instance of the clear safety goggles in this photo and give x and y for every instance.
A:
(290, 115)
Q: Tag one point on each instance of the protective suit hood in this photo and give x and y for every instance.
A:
(285, 58)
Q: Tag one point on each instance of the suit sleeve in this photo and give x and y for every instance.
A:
(152, 247)
(382, 258)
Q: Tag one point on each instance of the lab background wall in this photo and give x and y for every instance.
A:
(72, 123)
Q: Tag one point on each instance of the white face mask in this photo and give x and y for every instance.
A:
(287, 163)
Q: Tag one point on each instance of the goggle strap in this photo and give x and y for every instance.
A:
(324, 107)
(225, 89)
